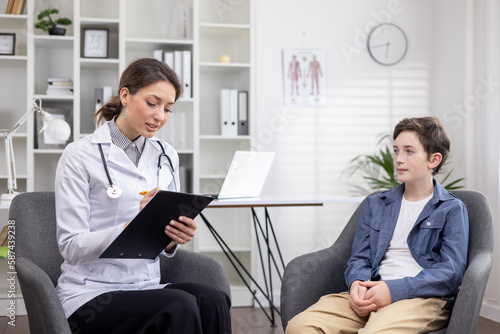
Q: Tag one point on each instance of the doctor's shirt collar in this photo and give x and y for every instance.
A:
(119, 139)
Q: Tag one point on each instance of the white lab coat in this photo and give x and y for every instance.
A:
(88, 220)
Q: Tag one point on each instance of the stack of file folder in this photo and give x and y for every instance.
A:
(234, 112)
(180, 62)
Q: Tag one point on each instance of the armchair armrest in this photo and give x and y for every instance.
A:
(45, 312)
(465, 313)
(188, 266)
(310, 276)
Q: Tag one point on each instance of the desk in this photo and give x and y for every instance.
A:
(268, 235)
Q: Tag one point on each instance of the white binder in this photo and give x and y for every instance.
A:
(233, 112)
(225, 112)
(158, 55)
(186, 73)
(178, 64)
(168, 58)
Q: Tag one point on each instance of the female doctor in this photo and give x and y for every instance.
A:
(99, 179)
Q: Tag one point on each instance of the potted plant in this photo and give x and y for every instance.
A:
(46, 23)
(378, 170)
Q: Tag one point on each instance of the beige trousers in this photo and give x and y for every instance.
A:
(332, 314)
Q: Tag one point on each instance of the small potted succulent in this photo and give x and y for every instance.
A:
(46, 23)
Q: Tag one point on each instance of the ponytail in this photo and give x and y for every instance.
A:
(108, 111)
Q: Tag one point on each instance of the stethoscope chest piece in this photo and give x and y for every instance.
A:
(114, 191)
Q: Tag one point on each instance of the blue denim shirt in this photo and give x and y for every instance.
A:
(438, 241)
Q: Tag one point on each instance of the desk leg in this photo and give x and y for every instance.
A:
(269, 225)
(268, 279)
(236, 263)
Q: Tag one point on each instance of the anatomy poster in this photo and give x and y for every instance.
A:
(304, 77)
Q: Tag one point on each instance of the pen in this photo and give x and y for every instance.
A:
(143, 192)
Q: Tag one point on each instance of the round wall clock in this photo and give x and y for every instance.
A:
(387, 44)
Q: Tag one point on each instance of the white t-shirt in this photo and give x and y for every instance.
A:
(398, 261)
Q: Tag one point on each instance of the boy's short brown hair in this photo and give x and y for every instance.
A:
(430, 132)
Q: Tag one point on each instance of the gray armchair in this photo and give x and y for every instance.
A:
(38, 263)
(310, 276)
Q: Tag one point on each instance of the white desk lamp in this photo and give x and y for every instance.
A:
(57, 128)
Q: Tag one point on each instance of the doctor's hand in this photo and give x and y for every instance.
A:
(147, 197)
(181, 232)
(145, 200)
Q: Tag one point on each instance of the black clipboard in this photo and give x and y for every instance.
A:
(144, 237)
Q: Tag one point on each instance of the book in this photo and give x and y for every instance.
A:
(61, 83)
(14, 7)
(52, 80)
(144, 237)
(10, 6)
(59, 86)
(59, 92)
(19, 7)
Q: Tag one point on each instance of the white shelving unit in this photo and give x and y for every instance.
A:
(13, 94)
(227, 30)
(135, 31)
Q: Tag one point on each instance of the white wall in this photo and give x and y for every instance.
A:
(314, 145)
(304, 138)
(466, 94)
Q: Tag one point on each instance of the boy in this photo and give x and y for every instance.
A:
(410, 249)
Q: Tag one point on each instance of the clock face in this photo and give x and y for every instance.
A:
(387, 44)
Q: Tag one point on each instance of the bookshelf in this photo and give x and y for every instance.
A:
(224, 30)
(137, 31)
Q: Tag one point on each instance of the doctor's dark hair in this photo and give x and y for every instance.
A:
(431, 133)
(139, 74)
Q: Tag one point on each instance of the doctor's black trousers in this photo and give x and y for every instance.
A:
(182, 308)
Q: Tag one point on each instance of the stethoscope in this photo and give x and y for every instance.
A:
(114, 191)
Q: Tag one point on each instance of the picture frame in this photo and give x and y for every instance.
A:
(95, 43)
(304, 77)
(45, 141)
(7, 44)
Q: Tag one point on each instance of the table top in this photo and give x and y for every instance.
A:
(269, 201)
